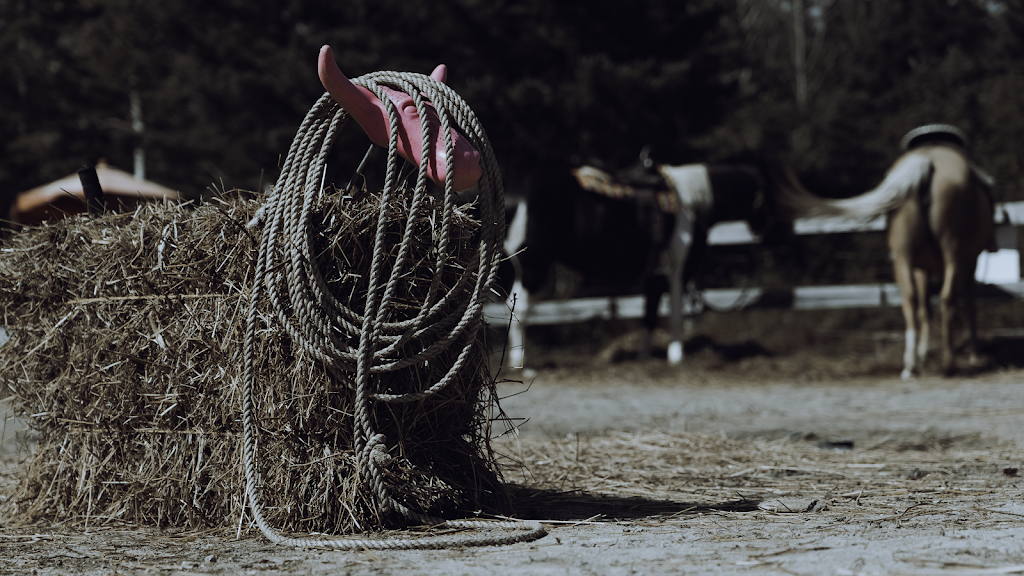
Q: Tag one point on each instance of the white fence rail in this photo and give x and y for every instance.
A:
(800, 298)
(1008, 214)
(1000, 268)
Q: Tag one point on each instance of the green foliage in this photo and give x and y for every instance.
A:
(876, 69)
(225, 83)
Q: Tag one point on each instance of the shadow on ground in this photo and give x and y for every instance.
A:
(1003, 351)
(628, 351)
(535, 504)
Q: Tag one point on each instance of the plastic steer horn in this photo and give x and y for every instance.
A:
(372, 116)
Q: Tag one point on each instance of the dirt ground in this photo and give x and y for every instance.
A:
(800, 464)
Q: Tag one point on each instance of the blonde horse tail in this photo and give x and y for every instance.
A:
(903, 180)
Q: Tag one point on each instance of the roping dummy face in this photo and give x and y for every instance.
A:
(372, 116)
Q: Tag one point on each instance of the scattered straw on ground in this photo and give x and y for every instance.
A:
(652, 478)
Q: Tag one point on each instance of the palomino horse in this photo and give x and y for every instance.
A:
(939, 209)
(639, 228)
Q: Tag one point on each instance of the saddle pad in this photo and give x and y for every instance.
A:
(692, 185)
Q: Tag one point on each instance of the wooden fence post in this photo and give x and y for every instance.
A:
(93, 192)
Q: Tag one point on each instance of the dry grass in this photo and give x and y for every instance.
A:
(126, 354)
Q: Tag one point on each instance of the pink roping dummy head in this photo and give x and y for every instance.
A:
(372, 116)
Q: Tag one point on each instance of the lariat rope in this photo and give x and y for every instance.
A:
(321, 326)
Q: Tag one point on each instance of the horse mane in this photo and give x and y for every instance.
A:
(905, 178)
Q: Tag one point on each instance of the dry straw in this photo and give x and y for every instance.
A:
(126, 354)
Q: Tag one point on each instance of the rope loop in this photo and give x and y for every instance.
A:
(369, 341)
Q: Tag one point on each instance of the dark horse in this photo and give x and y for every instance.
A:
(645, 226)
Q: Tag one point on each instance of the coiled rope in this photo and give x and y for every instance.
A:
(320, 325)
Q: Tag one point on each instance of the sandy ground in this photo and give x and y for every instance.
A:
(751, 468)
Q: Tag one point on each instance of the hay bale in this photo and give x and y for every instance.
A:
(126, 353)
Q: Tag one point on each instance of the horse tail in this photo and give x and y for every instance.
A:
(789, 199)
(903, 180)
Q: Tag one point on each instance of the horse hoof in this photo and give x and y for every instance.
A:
(675, 353)
(907, 374)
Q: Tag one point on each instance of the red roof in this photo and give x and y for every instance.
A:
(65, 196)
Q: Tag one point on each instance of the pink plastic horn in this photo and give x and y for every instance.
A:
(371, 114)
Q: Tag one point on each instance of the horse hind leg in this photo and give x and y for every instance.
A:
(654, 287)
(958, 304)
(952, 292)
(971, 311)
(905, 281)
(924, 314)
(679, 250)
